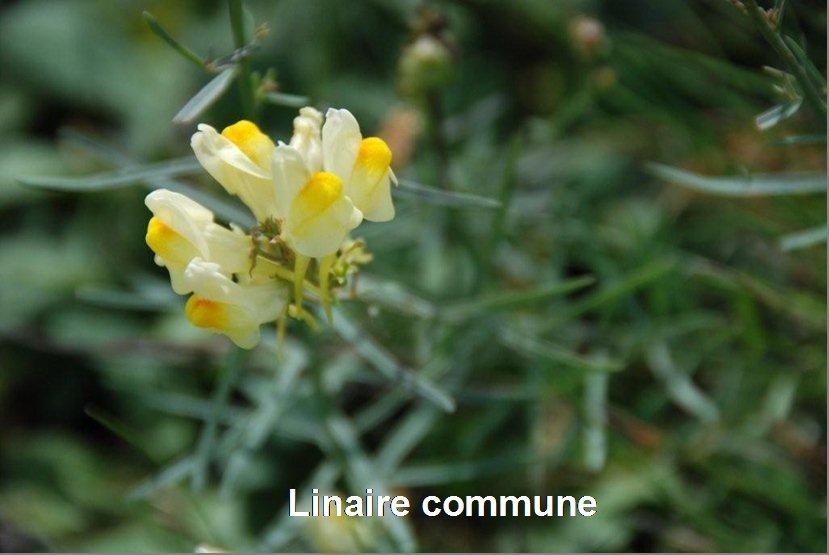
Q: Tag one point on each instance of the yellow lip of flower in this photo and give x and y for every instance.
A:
(247, 136)
(374, 157)
(320, 192)
(167, 243)
(204, 313)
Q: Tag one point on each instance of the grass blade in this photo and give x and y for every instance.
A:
(186, 165)
(595, 419)
(228, 211)
(746, 186)
(804, 239)
(284, 529)
(506, 301)
(207, 96)
(120, 430)
(362, 474)
(438, 197)
(288, 100)
(801, 140)
(370, 350)
(776, 114)
(204, 451)
(264, 419)
(679, 386)
(170, 476)
(394, 296)
(430, 475)
(528, 345)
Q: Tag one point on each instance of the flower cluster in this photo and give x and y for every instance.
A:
(307, 196)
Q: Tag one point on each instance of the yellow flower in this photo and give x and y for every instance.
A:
(312, 192)
(328, 179)
(182, 229)
(222, 305)
(316, 214)
(240, 160)
(364, 165)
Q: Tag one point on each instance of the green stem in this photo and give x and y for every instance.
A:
(324, 271)
(281, 328)
(300, 268)
(778, 44)
(237, 25)
(286, 274)
(162, 33)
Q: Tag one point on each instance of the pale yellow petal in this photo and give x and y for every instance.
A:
(180, 213)
(247, 136)
(172, 250)
(289, 175)
(340, 142)
(230, 249)
(219, 317)
(307, 138)
(236, 172)
(320, 216)
(224, 306)
(368, 186)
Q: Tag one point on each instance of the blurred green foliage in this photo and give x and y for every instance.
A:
(609, 328)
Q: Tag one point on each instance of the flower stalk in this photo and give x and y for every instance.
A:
(237, 25)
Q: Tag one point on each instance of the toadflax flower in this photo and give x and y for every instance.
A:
(182, 229)
(307, 196)
(239, 158)
(235, 309)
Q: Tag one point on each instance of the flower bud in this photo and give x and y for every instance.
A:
(425, 66)
(587, 35)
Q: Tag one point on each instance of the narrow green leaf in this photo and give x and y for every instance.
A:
(410, 430)
(804, 307)
(288, 100)
(488, 304)
(227, 210)
(207, 96)
(186, 165)
(162, 33)
(125, 300)
(405, 436)
(804, 239)
(430, 475)
(385, 407)
(811, 70)
(612, 292)
(528, 345)
(780, 10)
(204, 451)
(392, 295)
(595, 421)
(383, 361)
(170, 476)
(362, 474)
(679, 386)
(776, 114)
(801, 140)
(746, 186)
(120, 430)
(267, 416)
(438, 197)
(285, 528)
